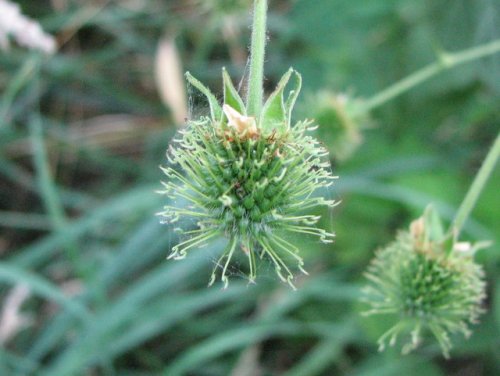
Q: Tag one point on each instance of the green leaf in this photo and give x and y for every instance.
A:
(292, 97)
(215, 108)
(131, 201)
(12, 274)
(231, 96)
(234, 340)
(433, 224)
(273, 115)
(276, 114)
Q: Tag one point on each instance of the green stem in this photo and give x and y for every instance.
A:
(257, 53)
(477, 186)
(20, 220)
(20, 79)
(445, 61)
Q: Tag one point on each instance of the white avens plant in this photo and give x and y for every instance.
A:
(426, 281)
(247, 173)
(249, 180)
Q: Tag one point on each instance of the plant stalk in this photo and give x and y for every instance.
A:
(477, 186)
(257, 54)
(445, 61)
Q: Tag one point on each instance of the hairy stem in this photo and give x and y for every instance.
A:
(477, 186)
(445, 61)
(257, 53)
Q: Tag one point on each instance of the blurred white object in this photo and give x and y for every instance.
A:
(170, 80)
(11, 318)
(24, 31)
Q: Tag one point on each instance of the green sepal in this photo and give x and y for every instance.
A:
(215, 108)
(292, 97)
(231, 96)
(435, 232)
(433, 225)
(276, 114)
(448, 243)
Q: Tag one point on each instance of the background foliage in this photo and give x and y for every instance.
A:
(82, 134)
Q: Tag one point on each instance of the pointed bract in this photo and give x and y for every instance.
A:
(276, 114)
(215, 108)
(231, 96)
(292, 97)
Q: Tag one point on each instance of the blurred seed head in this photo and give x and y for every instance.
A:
(426, 283)
(340, 123)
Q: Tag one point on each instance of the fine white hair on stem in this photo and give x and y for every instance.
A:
(25, 31)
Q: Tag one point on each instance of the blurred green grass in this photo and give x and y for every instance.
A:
(77, 197)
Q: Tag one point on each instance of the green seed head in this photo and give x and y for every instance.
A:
(340, 122)
(250, 180)
(426, 286)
